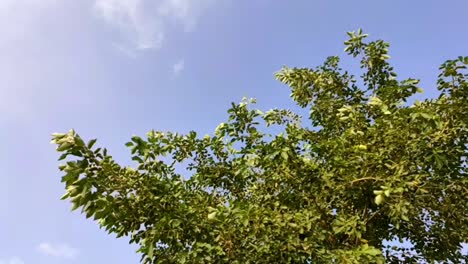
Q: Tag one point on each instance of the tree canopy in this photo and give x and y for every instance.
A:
(365, 168)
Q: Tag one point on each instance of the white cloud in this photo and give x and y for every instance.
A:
(178, 67)
(143, 23)
(57, 250)
(13, 260)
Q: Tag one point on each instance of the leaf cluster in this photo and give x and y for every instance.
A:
(363, 168)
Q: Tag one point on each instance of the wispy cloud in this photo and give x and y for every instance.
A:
(57, 250)
(178, 67)
(143, 23)
(13, 260)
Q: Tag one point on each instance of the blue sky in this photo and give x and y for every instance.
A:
(115, 68)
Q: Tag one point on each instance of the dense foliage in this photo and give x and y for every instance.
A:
(366, 167)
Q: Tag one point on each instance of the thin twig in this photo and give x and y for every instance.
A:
(365, 179)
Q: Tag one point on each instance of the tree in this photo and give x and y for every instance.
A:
(366, 167)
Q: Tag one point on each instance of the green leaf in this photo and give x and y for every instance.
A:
(426, 116)
(79, 142)
(91, 143)
(373, 251)
(245, 222)
(212, 216)
(150, 251)
(65, 196)
(136, 158)
(379, 199)
(58, 135)
(64, 146)
(63, 156)
(361, 147)
(75, 206)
